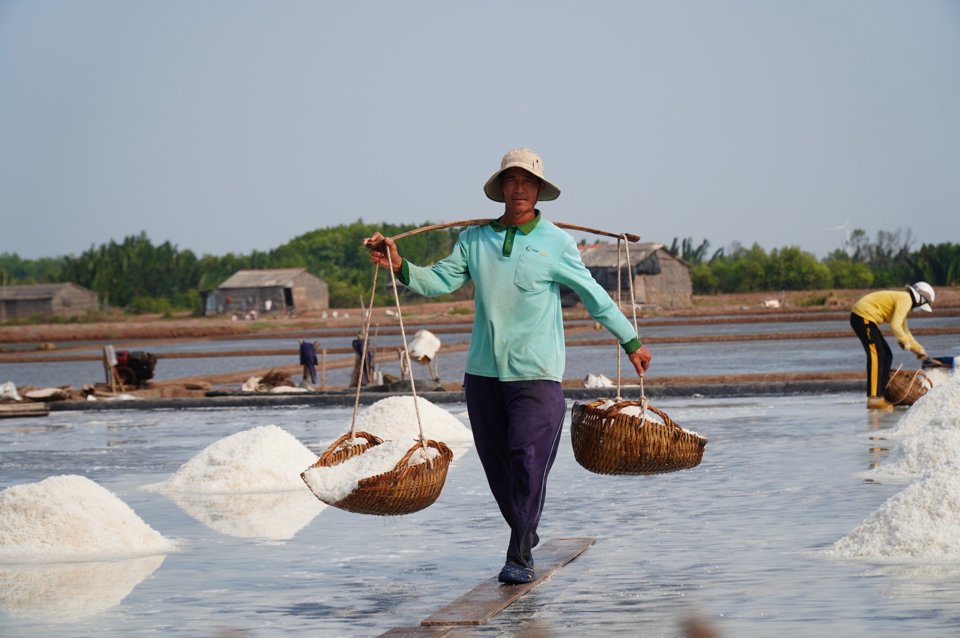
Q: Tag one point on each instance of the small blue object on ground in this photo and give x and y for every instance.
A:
(940, 362)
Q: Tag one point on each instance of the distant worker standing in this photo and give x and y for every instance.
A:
(362, 369)
(887, 306)
(308, 359)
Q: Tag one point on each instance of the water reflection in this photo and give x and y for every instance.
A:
(63, 592)
(273, 515)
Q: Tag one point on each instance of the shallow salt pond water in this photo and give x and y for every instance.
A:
(737, 542)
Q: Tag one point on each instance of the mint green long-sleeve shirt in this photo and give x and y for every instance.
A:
(517, 272)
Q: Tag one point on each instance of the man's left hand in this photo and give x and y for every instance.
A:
(640, 360)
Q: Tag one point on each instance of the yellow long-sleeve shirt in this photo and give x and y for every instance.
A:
(890, 306)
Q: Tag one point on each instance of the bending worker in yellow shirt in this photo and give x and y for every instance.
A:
(887, 306)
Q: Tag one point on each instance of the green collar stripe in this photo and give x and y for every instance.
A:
(508, 241)
(512, 231)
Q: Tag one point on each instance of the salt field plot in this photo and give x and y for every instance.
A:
(747, 541)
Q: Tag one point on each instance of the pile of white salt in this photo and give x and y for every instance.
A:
(929, 434)
(395, 421)
(923, 520)
(395, 418)
(939, 407)
(246, 485)
(261, 459)
(71, 518)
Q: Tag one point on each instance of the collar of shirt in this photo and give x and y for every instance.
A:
(512, 231)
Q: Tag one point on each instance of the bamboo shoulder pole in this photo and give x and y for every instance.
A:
(631, 237)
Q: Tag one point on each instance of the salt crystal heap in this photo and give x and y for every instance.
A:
(939, 408)
(394, 420)
(254, 461)
(923, 520)
(929, 433)
(246, 485)
(71, 518)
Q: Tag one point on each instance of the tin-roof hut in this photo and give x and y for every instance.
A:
(660, 279)
(279, 290)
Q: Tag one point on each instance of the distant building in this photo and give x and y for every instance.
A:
(660, 279)
(46, 300)
(280, 290)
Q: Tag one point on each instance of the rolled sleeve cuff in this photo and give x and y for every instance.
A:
(404, 274)
(632, 346)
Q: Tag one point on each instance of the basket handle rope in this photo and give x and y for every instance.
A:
(616, 346)
(624, 262)
(406, 351)
(363, 352)
(363, 356)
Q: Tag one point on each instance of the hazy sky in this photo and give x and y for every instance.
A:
(230, 125)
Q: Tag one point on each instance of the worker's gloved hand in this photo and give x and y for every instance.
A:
(922, 355)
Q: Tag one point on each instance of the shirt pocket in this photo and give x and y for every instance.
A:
(534, 271)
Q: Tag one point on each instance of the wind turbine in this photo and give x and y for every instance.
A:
(845, 227)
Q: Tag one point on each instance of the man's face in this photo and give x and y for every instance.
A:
(520, 190)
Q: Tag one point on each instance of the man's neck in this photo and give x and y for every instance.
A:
(517, 219)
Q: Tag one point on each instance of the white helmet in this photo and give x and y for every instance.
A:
(923, 295)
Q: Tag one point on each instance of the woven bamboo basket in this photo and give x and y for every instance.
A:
(403, 490)
(607, 442)
(905, 388)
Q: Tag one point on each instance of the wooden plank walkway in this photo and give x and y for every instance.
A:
(12, 410)
(419, 632)
(490, 597)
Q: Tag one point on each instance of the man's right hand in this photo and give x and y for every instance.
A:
(383, 251)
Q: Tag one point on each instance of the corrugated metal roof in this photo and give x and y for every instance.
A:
(605, 255)
(279, 277)
(33, 291)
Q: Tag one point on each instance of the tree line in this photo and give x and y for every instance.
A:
(139, 276)
(888, 261)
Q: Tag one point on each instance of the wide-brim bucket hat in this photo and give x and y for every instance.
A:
(527, 160)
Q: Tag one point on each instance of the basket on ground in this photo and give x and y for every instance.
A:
(905, 388)
(606, 441)
(403, 490)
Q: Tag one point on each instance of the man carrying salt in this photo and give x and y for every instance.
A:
(515, 361)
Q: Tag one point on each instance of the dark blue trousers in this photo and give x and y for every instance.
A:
(516, 429)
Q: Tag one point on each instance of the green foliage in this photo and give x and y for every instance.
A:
(337, 255)
(133, 270)
(742, 271)
(848, 273)
(812, 300)
(794, 269)
(151, 305)
(685, 250)
(888, 257)
(937, 264)
(17, 271)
